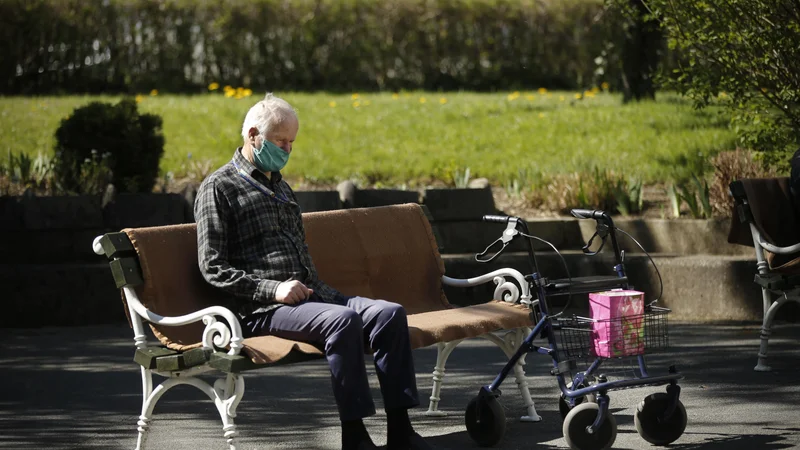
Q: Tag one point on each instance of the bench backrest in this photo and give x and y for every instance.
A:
(386, 252)
(769, 204)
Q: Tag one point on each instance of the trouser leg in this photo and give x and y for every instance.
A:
(386, 332)
(341, 330)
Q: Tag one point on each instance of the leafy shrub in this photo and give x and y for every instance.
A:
(330, 45)
(101, 140)
(743, 54)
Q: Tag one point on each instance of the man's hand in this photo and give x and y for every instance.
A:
(292, 292)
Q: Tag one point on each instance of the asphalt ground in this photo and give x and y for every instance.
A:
(76, 388)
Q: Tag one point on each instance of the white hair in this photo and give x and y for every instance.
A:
(266, 114)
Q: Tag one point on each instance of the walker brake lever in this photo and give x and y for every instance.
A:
(601, 231)
(508, 235)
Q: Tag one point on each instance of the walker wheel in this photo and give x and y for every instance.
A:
(647, 421)
(486, 420)
(563, 402)
(579, 419)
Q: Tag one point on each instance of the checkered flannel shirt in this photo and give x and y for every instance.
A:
(249, 242)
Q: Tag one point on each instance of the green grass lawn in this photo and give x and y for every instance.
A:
(414, 138)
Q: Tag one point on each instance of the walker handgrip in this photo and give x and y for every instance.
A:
(587, 213)
(493, 218)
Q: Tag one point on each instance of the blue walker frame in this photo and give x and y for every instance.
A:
(545, 326)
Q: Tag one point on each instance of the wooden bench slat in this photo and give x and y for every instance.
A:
(117, 245)
(147, 357)
(126, 272)
(240, 363)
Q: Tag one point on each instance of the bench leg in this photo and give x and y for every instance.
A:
(144, 418)
(770, 309)
(509, 344)
(226, 395)
(443, 351)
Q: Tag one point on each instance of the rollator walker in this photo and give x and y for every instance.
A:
(660, 418)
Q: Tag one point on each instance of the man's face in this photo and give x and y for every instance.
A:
(282, 135)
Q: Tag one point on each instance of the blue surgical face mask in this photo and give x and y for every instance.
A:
(270, 157)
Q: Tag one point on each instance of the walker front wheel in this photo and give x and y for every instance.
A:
(650, 424)
(486, 420)
(563, 401)
(579, 419)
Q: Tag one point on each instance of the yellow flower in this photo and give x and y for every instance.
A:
(578, 96)
(227, 88)
(604, 85)
(588, 94)
(154, 92)
(354, 96)
(423, 100)
(230, 92)
(541, 115)
(213, 86)
(356, 104)
(530, 97)
(542, 91)
(247, 92)
(332, 104)
(513, 96)
(442, 100)
(139, 98)
(395, 96)
(561, 98)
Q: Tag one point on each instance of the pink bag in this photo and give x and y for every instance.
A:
(617, 323)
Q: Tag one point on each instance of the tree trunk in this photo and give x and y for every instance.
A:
(641, 53)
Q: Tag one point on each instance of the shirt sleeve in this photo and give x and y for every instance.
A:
(212, 212)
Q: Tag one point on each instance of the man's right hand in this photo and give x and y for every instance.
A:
(292, 292)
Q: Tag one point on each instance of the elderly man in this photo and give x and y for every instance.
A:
(251, 244)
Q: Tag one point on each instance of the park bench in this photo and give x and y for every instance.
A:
(766, 218)
(386, 252)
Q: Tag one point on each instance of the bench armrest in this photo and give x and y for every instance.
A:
(505, 290)
(216, 334)
(780, 250)
(772, 248)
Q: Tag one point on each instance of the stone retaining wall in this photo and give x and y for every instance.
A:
(51, 276)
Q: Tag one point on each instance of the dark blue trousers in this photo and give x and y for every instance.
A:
(343, 331)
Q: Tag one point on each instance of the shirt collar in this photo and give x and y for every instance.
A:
(251, 169)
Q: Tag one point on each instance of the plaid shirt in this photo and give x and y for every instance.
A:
(250, 237)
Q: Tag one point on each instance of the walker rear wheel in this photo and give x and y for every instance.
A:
(647, 421)
(486, 420)
(576, 424)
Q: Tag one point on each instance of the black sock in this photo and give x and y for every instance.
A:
(398, 428)
(353, 433)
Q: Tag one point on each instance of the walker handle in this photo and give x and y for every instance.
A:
(595, 214)
(494, 218)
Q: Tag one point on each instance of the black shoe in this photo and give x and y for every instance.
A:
(418, 443)
(367, 445)
(415, 442)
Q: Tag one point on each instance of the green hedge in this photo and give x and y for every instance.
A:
(183, 45)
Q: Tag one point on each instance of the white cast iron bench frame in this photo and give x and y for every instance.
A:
(221, 343)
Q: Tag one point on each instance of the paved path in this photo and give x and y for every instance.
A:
(74, 388)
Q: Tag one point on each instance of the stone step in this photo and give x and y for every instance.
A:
(698, 288)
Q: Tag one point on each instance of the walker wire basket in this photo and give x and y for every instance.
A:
(632, 335)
